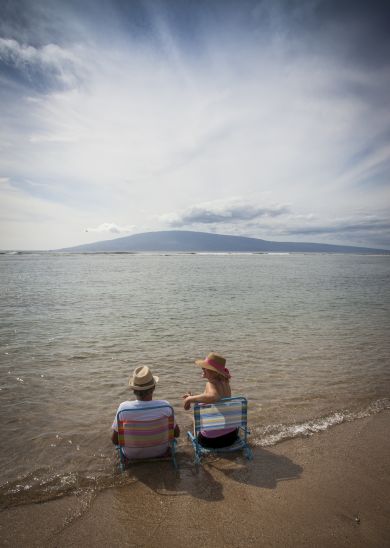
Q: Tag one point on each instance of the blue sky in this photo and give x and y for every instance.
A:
(268, 119)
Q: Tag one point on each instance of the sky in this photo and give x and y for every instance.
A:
(268, 119)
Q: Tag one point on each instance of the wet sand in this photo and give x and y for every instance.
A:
(332, 489)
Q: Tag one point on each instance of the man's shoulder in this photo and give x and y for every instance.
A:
(127, 405)
(139, 404)
(161, 405)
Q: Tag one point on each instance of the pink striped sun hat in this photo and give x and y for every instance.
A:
(215, 363)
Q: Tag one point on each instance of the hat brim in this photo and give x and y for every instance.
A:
(206, 365)
(145, 386)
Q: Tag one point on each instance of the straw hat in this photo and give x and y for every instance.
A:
(142, 379)
(215, 363)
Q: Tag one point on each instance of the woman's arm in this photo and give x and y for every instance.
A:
(210, 395)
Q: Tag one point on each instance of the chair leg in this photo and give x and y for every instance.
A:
(248, 453)
(198, 452)
(122, 464)
(174, 462)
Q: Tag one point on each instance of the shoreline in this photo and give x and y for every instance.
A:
(329, 489)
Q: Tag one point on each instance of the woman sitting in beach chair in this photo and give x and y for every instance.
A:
(217, 387)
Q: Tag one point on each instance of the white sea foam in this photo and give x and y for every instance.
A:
(275, 433)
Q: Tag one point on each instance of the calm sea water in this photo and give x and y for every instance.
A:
(306, 338)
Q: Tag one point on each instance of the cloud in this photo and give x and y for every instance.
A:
(222, 212)
(360, 229)
(112, 228)
(49, 63)
(371, 230)
(371, 224)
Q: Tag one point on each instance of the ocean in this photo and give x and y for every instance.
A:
(306, 338)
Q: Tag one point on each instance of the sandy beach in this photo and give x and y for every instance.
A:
(332, 489)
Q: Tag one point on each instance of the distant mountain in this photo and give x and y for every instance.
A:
(188, 241)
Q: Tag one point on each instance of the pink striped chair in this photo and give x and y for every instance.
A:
(139, 434)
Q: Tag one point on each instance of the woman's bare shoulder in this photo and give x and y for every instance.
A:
(211, 387)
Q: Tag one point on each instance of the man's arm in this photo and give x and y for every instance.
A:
(114, 437)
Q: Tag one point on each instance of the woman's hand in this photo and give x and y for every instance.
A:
(186, 395)
(187, 402)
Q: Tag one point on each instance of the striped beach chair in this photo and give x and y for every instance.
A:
(139, 434)
(226, 413)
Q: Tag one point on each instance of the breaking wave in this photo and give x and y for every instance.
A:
(276, 433)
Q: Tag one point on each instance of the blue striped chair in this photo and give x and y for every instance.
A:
(226, 413)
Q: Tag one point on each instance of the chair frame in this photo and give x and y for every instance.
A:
(241, 443)
(172, 441)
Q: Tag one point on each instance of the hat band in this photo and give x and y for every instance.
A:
(224, 370)
(151, 382)
(144, 383)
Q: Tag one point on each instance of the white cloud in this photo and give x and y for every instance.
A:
(112, 228)
(50, 58)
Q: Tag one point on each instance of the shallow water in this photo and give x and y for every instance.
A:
(305, 336)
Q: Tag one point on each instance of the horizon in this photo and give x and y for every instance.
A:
(311, 242)
(258, 119)
(2, 250)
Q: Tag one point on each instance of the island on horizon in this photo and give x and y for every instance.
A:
(185, 241)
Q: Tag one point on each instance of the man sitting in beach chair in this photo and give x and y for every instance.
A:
(144, 428)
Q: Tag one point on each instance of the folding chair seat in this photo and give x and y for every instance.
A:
(226, 413)
(134, 433)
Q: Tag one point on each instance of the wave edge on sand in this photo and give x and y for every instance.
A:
(272, 434)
